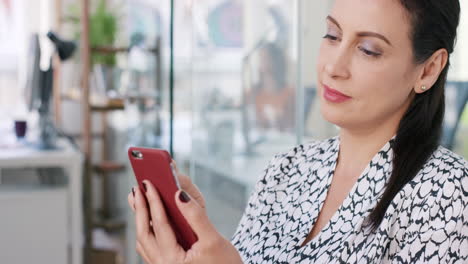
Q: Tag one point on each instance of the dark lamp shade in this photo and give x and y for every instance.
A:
(65, 49)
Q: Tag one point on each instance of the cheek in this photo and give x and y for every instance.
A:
(379, 78)
(381, 91)
(385, 82)
(378, 95)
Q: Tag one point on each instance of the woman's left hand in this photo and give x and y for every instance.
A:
(156, 242)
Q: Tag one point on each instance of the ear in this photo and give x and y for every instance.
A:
(431, 70)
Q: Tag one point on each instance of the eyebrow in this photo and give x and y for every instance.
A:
(362, 34)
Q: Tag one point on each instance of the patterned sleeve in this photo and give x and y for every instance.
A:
(255, 202)
(437, 230)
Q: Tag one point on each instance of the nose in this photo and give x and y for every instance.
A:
(337, 65)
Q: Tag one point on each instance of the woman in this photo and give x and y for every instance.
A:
(381, 191)
(273, 97)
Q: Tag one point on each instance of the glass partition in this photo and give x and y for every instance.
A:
(244, 89)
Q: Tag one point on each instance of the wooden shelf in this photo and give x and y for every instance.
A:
(70, 97)
(102, 256)
(110, 224)
(99, 105)
(112, 50)
(109, 107)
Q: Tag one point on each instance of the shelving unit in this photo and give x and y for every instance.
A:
(106, 168)
(91, 105)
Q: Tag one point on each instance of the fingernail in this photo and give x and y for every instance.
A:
(144, 186)
(184, 197)
(133, 191)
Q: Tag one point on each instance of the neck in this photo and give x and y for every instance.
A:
(359, 144)
(357, 148)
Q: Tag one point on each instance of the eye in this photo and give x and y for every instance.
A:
(330, 37)
(369, 53)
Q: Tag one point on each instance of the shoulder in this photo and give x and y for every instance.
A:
(446, 160)
(432, 210)
(307, 150)
(451, 160)
(317, 149)
(294, 161)
(439, 190)
(442, 172)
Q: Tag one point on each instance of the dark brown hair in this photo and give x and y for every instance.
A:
(433, 26)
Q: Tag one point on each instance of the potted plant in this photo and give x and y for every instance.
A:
(103, 29)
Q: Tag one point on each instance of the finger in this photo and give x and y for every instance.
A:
(195, 215)
(187, 185)
(131, 202)
(131, 199)
(144, 233)
(142, 253)
(174, 163)
(164, 234)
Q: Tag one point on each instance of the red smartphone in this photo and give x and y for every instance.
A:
(155, 166)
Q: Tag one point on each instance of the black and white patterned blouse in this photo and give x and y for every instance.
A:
(427, 221)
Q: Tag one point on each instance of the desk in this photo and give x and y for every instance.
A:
(241, 168)
(71, 161)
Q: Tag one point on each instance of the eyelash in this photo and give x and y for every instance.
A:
(365, 51)
(328, 36)
(369, 53)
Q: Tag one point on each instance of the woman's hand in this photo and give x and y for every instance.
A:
(156, 241)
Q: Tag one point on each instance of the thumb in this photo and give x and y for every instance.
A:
(195, 215)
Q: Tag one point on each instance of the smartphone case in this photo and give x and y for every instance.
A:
(155, 166)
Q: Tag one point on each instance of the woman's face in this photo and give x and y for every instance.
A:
(366, 56)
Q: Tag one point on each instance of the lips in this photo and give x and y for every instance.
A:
(334, 96)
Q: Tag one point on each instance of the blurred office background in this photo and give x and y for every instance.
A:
(243, 88)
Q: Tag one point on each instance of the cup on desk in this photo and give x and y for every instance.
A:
(20, 129)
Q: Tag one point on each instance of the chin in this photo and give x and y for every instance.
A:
(332, 114)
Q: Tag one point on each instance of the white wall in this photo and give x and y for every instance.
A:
(459, 69)
(14, 59)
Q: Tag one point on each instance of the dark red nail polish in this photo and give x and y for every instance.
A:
(184, 197)
(133, 191)
(144, 187)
